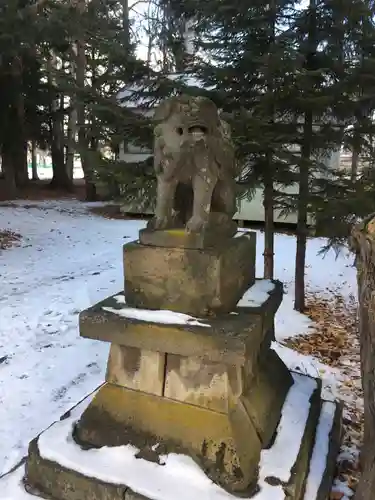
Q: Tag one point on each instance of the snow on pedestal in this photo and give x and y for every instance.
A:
(153, 315)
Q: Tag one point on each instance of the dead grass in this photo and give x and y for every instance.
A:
(8, 239)
(110, 211)
(113, 211)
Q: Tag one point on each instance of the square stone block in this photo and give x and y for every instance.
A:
(219, 386)
(231, 339)
(137, 369)
(189, 280)
(227, 339)
(198, 382)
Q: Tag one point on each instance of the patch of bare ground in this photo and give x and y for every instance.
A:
(109, 211)
(8, 239)
(335, 342)
(42, 190)
(113, 211)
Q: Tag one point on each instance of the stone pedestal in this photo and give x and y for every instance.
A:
(190, 372)
(210, 388)
(197, 281)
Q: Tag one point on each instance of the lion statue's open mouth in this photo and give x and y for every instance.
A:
(193, 130)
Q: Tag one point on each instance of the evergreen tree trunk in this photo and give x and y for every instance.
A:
(19, 140)
(72, 128)
(179, 50)
(9, 173)
(151, 32)
(149, 50)
(125, 21)
(71, 140)
(303, 184)
(359, 115)
(20, 159)
(60, 179)
(355, 157)
(83, 143)
(175, 47)
(302, 230)
(34, 166)
(363, 243)
(269, 230)
(354, 166)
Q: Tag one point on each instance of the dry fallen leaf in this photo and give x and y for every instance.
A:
(336, 495)
(8, 239)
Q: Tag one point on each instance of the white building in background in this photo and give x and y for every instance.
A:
(248, 211)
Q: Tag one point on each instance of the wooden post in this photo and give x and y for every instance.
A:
(363, 243)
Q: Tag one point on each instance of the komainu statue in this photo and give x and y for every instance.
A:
(195, 165)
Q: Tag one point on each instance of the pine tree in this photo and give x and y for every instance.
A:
(285, 75)
(349, 31)
(245, 57)
(44, 79)
(321, 96)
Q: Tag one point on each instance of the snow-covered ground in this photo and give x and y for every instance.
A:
(68, 260)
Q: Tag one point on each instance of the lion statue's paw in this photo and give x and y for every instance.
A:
(159, 223)
(196, 224)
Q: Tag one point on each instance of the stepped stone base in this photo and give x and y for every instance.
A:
(58, 469)
(225, 338)
(225, 443)
(212, 385)
(195, 407)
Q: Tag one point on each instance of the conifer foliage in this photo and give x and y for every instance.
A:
(61, 66)
(294, 80)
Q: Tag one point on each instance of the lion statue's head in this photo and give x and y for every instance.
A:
(182, 122)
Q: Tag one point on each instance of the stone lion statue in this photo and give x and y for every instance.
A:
(194, 164)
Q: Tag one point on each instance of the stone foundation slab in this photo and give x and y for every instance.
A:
(58, 469)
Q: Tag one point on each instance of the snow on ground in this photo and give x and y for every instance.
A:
(68, 260)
